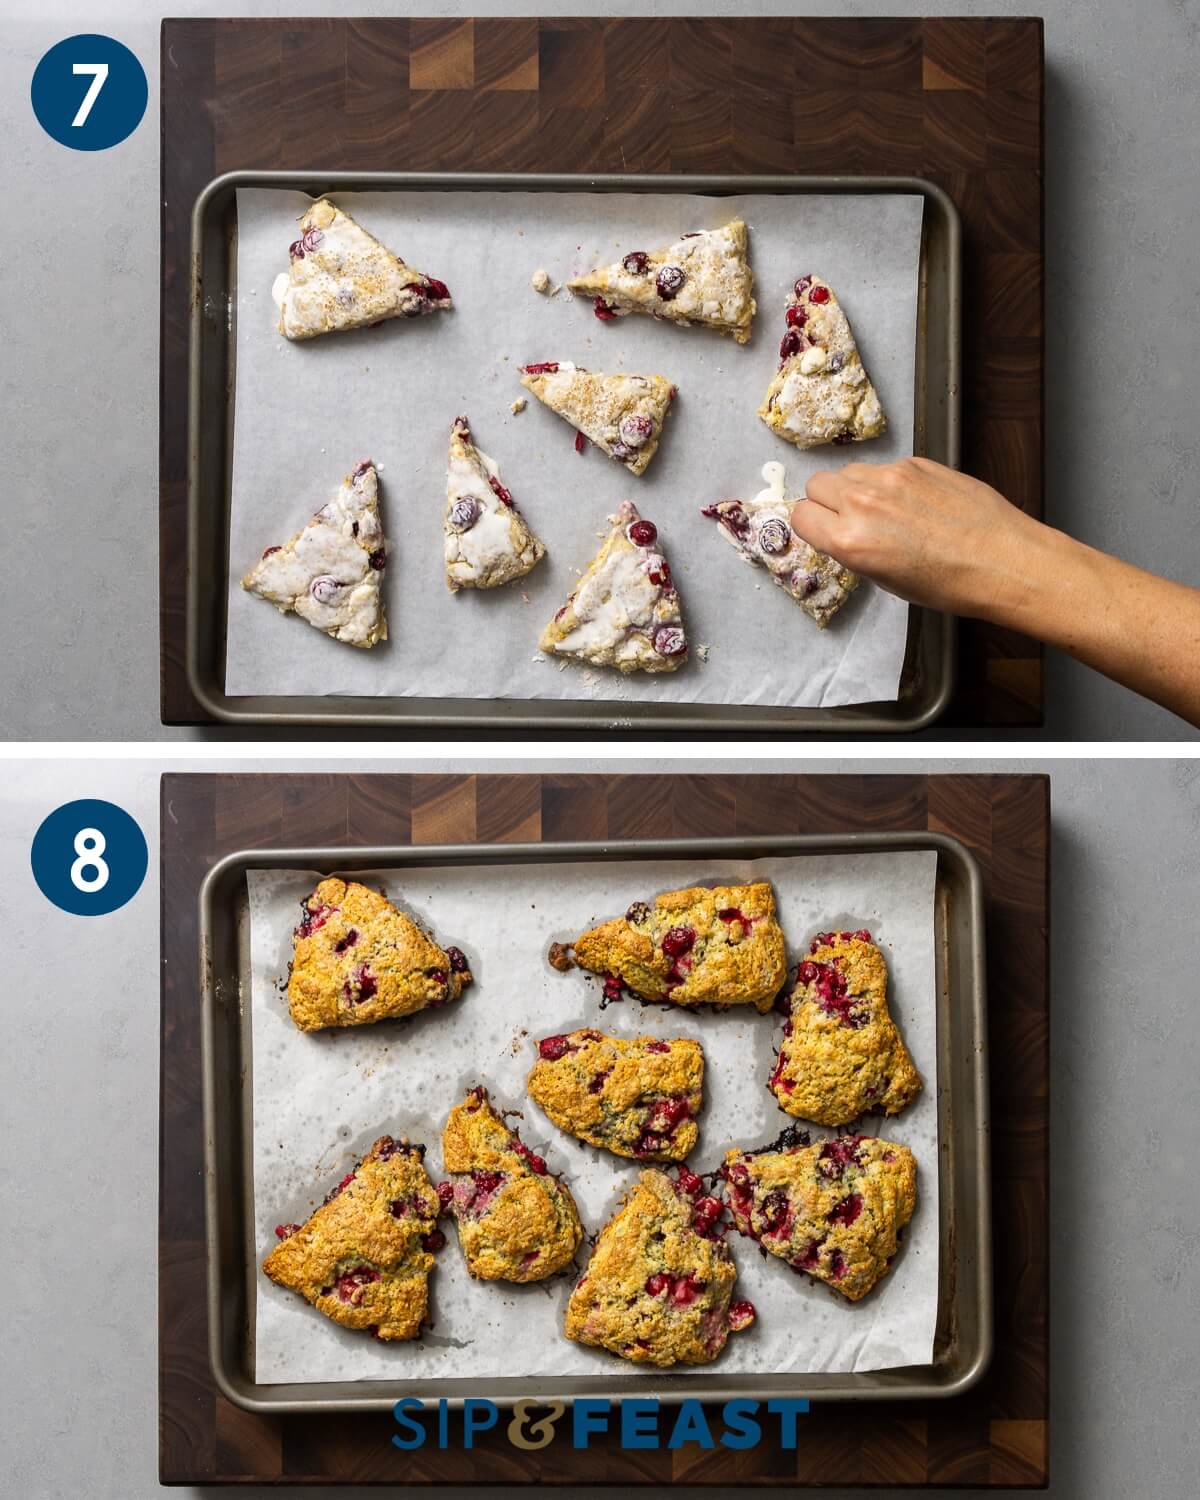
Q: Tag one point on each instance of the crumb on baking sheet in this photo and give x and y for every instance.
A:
(702, 652)
(518, 406)
(541, 280)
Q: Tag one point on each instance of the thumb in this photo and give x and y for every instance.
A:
(815, 525)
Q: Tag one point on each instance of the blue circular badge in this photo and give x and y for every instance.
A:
(89, 92)
(89, 857)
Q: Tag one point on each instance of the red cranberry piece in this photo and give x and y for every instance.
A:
(458, 960)
(486, 1183)
(847, 1210)
(554, 1047)
(822, 940)
(837, 1264)
(636, 262)
(707, 1215)
(669, 283)
(445, 1192)
(312, 237)
(474, 1100)
(580, 441)
(678, 940)
(643, 533)
(378, 559)
(669, 640)
(434, 1240)
(534, 1162)
(657, 1284)
(296, 249)
(810, 1257)
(612, 988)
(603, 311)
(361, 986)
(431, 287)
(803, 285)
(686, 1289)
(657, 570)
(741, 1315)
(736, 519)
(666, 1114)
(777, 1080)
(649, 1144)
(500, 492)
(313, 917)
(346, 942)
(862, 935)
(285, 1231)
(635, 429)
(398, 1207)
(638, 912)
(731, 914)
(791, 343)
(843, 438)
(807, 972)
(796, 317)
(819, 294)
(269, 550)
(621, 451)
(774, 1210)
(836, 1156)
(597, 1083)
(360, 468)
(658, 1046)
(774, 536)
(464, 513)
(352, 1284)
(688, 1181)
(547, 367)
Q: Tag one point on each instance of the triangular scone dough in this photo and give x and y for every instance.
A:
(761, 530)
(516, 1220)
(833, 1210)
(357, 958)
(342, 277)
(842, 1055)
(658, 1289)
(624, 611)
(702, 278)
(363, 1258)
(487, 540)
(330, 572)
(821, 393)
(622, 414)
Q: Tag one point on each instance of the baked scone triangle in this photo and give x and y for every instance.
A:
(705, 945)
(622, 414)
(638, 1098)
(624, 612)
(702, 278)
(487, 540)
(356, 959)
(820, 393)
(658, 1289)
(516, 1220)
(834, 1210)
(761, 531)
(330, 572)
(342, 277)
(842, 1055)
(364, 1257)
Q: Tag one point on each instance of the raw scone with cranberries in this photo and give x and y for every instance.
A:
(761, 531)
(342, 277)
(658, 1289)
(516, 1220)
(487, 541)
(330, 572)
(842, 1055)
(363, 1258)
(624, 612)
(357, 958)
(704, 278)
(718, 945)
(638, 1098)
(834, 1209)
(622, 414)
(820, 393)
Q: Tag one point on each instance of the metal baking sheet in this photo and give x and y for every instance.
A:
(928, 675)
(962, 1344)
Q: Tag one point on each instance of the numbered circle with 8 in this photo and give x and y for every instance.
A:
(89, 857)
(89, 92)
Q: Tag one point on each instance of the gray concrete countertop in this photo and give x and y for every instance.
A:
(79, 1116)
(80, 385)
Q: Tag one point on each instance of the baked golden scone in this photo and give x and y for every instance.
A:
(342, 277)
(841, 1054)
(516, 1221)
(364, 1257)
(718, 945)
(820, 393)
(356, 959)
(636, 1098)
(658, 1287)
(487, 541)
(624, 612)
(834, 1209)
(622, 414)
(702, 278)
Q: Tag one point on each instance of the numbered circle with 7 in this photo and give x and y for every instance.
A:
(89, 857)
(89, 92)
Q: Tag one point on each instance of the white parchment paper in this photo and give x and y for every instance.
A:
(307, 412)
(319, 1100)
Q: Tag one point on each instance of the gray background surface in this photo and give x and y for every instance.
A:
(79, 1116)
(80, 380)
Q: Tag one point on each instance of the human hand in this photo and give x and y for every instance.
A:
(922, 531)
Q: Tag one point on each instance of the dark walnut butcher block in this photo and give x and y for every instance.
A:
(957, 101)
(995, 1435)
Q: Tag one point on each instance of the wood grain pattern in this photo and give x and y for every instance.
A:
(958, 101)
(997, 1435)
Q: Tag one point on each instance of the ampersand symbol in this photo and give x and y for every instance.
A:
(541, 1433)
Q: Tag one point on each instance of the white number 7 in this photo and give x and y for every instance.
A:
(99, 72)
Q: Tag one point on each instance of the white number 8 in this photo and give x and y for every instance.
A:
(89, 846)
